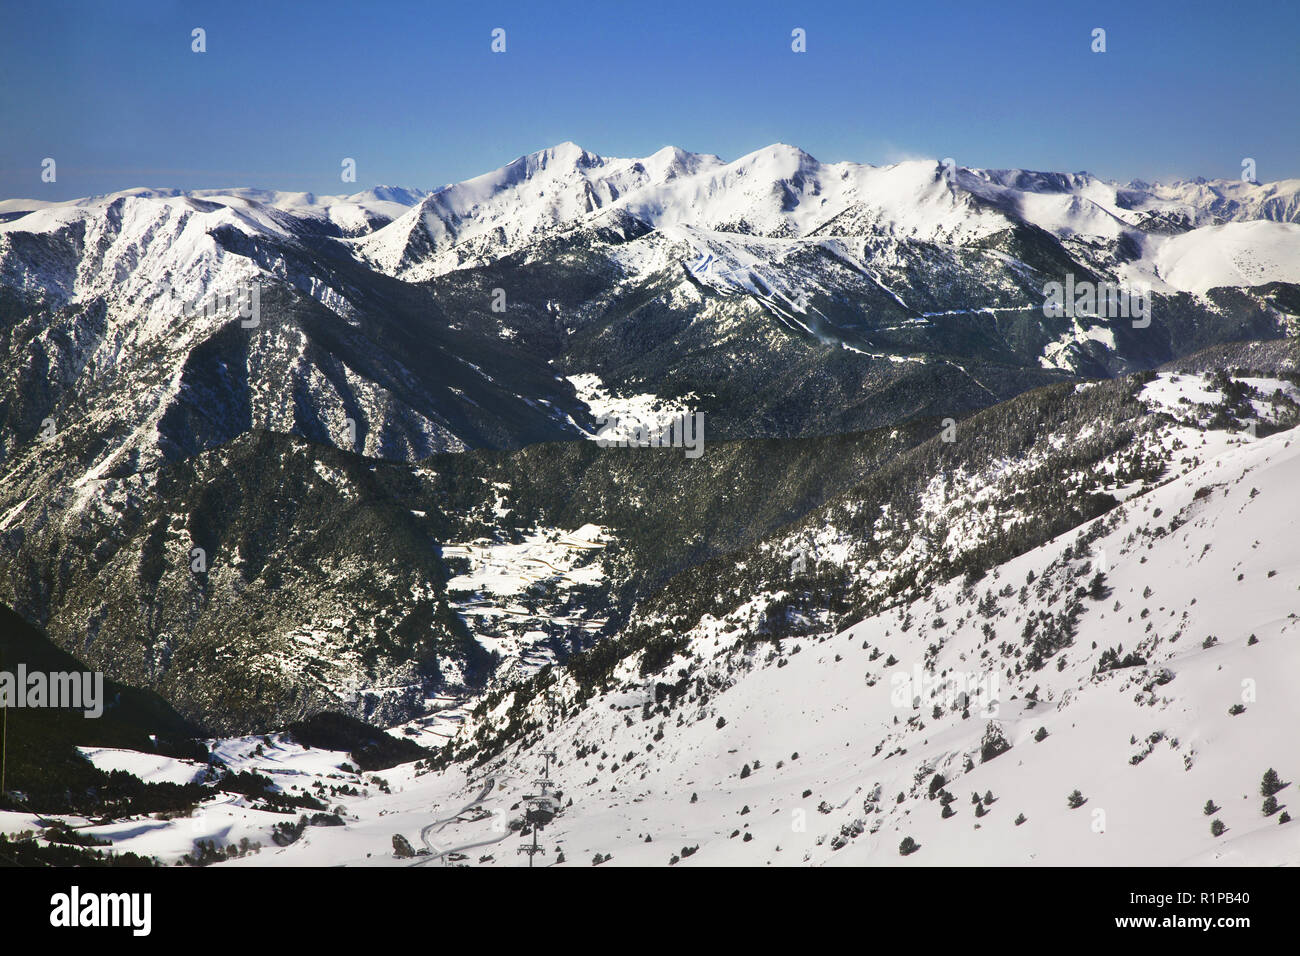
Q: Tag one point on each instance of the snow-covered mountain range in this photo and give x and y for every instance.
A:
(651, 273)
(782, 193)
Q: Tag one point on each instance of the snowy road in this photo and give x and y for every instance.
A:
(436, 825)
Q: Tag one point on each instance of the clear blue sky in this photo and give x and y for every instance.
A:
(285, 91)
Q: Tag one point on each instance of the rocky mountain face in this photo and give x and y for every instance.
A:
(851, 296)
(272, 577)
(269, 454)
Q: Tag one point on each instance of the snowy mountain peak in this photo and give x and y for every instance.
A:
(396, 194)
(781, 192)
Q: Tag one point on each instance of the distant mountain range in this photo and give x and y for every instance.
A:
(849, 294)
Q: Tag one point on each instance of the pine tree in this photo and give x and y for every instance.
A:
(994, 743)
(1271, 783)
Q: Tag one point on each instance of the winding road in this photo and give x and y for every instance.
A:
(436, 825)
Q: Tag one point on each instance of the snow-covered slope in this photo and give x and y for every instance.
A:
(1202, 577)
(500, 212)
(353, 214)
(179, 321)
(781, 192)
(1141, 659)
(1235, 254)
(1142, 670)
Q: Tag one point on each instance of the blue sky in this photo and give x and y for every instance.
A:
(412, 91)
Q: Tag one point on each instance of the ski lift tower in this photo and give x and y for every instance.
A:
(548, 756)
(532, 849)
(541, 807)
